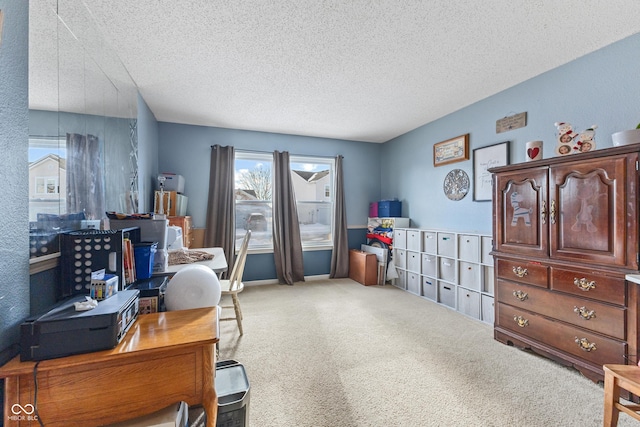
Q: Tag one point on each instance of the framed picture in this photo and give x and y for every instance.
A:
(451, 151)
(485, 158)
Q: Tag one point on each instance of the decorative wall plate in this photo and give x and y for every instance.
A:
(456, 184)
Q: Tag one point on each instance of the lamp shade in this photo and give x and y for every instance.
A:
(194, 286)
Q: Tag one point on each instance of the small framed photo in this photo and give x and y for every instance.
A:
(485, 158)
(451, 151)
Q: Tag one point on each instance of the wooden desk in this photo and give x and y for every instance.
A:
(164, 358)
(218, 264)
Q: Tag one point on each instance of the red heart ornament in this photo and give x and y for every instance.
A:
(533, 152)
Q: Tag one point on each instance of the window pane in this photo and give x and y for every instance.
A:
(312, 182)
(253, 199)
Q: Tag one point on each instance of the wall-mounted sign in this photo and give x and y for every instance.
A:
(512, 122)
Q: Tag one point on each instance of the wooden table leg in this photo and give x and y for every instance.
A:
(611, 397)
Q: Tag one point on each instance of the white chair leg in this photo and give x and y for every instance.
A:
(236, 307)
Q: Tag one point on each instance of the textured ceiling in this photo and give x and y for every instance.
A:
(355, 70)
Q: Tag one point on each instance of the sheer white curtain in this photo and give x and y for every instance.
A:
(85, 176)
(287, 245)
(221, 208)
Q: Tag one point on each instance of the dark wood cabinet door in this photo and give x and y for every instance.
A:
(520, 212)
(588, 211)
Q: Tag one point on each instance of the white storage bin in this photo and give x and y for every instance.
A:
(469, 303)
(400, 258)
(400, 238)
(487, 279)
(430, 242)
(429, 264)
(469, 275)
(413, 283)
(447, 244)
(469, 248)
(447, 269)
(447, 294)
(413, 261)
(413, 240)
(486, 244)
(488, 309)
(429, 288)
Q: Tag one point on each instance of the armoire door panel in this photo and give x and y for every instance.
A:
(521, 221)
(589, 198)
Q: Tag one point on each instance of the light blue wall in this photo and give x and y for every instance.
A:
(186, 150)
(14, 136)
(602, 88)
(147, 155)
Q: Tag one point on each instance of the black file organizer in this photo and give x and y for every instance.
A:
(84, 251)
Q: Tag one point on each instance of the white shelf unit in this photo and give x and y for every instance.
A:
(448, 267)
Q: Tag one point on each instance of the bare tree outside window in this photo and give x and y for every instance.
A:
(258, 180)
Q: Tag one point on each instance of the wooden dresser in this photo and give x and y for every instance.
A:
(185, 223)
(565, 235)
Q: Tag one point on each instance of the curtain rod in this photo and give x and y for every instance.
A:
(291, 154)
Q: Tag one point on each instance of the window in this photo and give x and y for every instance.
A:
(253, 199)
(312, 179)
(47, 185)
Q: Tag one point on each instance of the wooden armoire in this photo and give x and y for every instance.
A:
(565, 234)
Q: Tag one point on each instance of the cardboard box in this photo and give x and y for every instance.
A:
(363, 267)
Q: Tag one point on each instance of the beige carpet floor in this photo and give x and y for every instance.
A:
(335, 353)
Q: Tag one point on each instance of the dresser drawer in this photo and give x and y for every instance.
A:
(524, 272)
(566, 338)
(589, 284)
(595, 316)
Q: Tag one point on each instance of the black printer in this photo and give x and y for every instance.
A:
(63, 331)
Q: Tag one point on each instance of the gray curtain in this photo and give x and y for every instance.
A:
(85, 176)
(221, 207)
(287, 245)
(340, 254)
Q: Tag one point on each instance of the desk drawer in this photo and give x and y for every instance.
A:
(569, 339)
(524, 272)
(595, 316)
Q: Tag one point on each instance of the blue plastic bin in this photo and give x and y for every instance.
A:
(144, 253)
(389, 208)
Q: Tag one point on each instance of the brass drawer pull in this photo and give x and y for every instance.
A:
(520, 272)
(520, 295)
(585, 345)
(584, 313)
(543, 212)
(521, 321)
(552, 213)
(583, 284)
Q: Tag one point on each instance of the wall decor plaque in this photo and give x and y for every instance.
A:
(452, 150)
(511, 122)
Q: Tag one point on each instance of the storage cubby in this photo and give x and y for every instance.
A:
(454, 269)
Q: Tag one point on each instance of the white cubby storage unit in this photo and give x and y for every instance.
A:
(454, 269)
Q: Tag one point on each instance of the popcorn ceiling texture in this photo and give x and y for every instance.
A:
(354, 70)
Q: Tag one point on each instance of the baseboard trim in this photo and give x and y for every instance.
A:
(275, 281)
